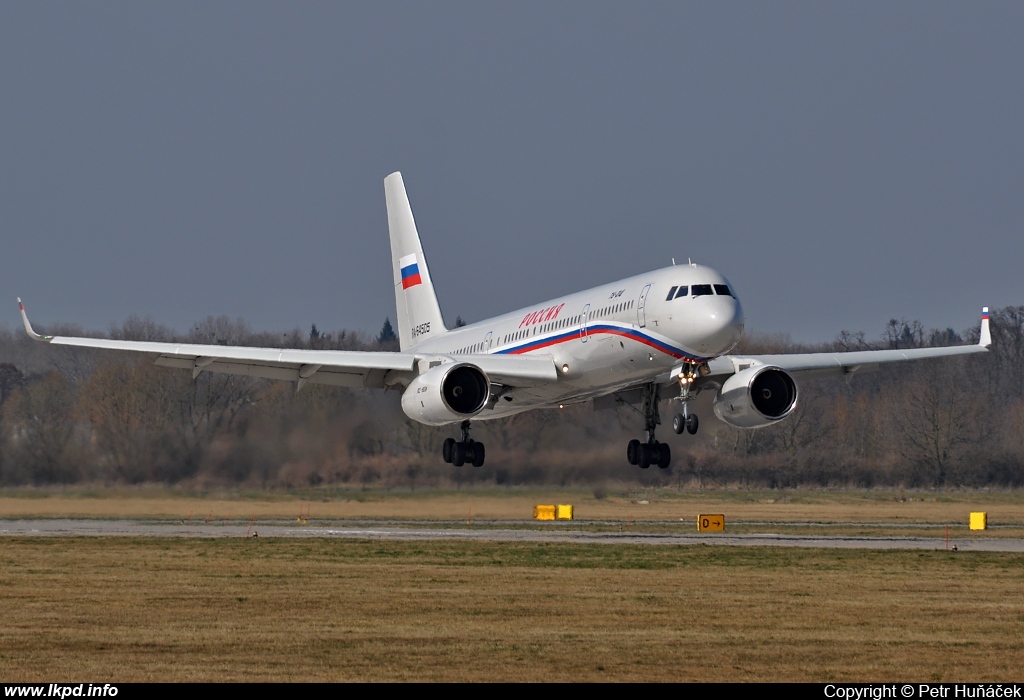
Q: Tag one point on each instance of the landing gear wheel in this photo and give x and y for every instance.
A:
(664, 455)
(462, 451)
(632, 450)
(679, 424)
(643, 456)
(691, 424)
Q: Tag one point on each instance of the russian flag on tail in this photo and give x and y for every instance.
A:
(410, 271)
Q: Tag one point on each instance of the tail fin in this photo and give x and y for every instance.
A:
(419, 316)
(985, 339)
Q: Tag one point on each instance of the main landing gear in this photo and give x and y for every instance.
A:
(644, 454)
(466, 450)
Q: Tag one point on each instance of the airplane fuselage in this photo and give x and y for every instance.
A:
(609, 336)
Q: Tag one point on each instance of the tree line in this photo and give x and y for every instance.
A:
(77, 415)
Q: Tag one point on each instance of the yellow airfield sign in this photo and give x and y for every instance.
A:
(711, 523)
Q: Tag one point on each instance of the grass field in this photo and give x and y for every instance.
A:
(116, 609)
(234, 609)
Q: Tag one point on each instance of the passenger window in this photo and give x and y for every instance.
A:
(723, 290)
(700, 290)
(681, 292)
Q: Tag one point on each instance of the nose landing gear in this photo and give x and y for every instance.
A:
(685, 420)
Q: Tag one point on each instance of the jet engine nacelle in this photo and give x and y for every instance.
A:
(446, 394)
(756, 397)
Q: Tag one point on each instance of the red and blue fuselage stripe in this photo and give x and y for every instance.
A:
(597, 329)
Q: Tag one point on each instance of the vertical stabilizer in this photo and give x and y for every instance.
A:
(419, 316)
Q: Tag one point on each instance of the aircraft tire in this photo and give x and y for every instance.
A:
(692, 423)
(664, 455)
(458, 454)
(446, 450)
(478, 454)
(679, 424)
(632, 450)
(643, 456)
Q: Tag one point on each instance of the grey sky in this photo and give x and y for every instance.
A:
(841, 163)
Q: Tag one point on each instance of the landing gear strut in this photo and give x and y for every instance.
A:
(466, 450)
(644, 454)
(685, 420)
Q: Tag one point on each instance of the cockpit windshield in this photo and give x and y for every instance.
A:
(699, 290)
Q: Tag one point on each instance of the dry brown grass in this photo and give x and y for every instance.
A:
(99, 609)
(1004, 508)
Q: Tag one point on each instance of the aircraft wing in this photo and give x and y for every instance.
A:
(835, 363)
(843, 363)
(335, 367)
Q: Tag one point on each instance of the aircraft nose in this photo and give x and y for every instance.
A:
(719, 326)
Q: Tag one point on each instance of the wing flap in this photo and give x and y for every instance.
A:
(333, 376)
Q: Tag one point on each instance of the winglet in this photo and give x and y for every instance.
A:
(985, 339)
(28, 326)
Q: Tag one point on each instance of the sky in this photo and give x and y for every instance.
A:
(841, 163)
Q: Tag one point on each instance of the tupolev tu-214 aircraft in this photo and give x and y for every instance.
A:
(662, 334)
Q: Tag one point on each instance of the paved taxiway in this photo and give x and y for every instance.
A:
(139, 528)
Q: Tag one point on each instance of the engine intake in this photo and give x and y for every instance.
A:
(756, 397)
(446, 394)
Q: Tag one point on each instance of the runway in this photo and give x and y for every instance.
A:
(341, 530)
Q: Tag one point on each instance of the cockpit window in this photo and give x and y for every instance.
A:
(681, 292)
(723, 290)
(700, 290)
(672, 294)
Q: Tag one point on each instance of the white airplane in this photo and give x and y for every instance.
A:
(631, 341)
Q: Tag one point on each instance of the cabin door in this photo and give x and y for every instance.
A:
(641, 318)
(583, 323)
